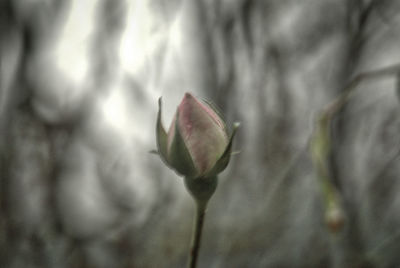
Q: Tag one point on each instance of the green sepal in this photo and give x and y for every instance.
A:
(161, 136)
(179, 156)
(223, 161)
(201, 189)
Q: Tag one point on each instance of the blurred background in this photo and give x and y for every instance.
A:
(79, 83)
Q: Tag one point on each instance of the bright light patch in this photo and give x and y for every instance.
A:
(133, 44)
(115, 113)
(72, 57)
(142, 38)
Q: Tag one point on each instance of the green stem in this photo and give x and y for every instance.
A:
(201, 190)
(198, 227)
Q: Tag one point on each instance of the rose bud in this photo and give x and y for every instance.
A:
(335, 219)
(197, 144)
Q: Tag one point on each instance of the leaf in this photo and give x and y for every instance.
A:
(179, 156)
(161, 136)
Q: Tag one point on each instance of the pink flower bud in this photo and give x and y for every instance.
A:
(197, 143)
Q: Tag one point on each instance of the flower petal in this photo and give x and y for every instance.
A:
(203, 133)
(223, 161)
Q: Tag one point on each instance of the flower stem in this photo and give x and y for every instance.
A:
(196, 238)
